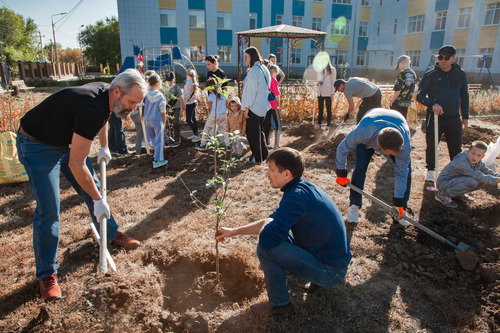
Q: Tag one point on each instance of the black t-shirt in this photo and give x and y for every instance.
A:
(218, 73)
(82, 110)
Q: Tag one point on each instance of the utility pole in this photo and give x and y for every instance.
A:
(41, 44)
(55, 45)
(81, 52)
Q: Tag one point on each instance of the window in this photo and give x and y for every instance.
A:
(492, 14)
(197, 19)
(297, 21)
(395, 25)
(363, 29)
(253, 20)
(316, 23)
(361, 58)
(279, 55)
(459, 57)
(415, 24)
(224, 53)
(378, 28)
(296, 56)
(365, 3)
(197, 53)
(347, 2)
(464, 15)
(415, 57)
(312, 55)
(340, 30)
(440, 20)
(167, 18)
(381, 3)
(341, 58)
(488, 52)
(279, 19)
(223, 20)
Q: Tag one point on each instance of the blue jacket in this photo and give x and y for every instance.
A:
(448, 89)
(367, 133)
(313, 219)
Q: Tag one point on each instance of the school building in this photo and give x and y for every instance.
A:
(363, 36)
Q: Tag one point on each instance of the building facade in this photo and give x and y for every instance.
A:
(363, 36)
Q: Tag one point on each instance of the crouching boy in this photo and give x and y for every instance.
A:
(465, 173)
(305, 235)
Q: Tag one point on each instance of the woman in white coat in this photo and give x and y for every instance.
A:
(326, 79)
(255, 103)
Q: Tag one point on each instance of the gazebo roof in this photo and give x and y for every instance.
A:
(282, 31)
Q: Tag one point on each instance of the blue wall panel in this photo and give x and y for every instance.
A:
(277, 8)
(341, 10)
(224, 37)
(362, 43)
(256, 7)
(168, 36)
(441, 5)
(298, 8)
(196, 4)
(437, 39)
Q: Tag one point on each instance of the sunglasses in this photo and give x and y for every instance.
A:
(445, 57)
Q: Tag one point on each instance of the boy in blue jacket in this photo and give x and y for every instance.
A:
(387, 132)
(305, 235)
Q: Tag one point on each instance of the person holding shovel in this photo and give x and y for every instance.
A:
(387, 132)
(304, 236)
(55, 137)
(360, 87)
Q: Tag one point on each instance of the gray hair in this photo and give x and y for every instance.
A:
(127, 79)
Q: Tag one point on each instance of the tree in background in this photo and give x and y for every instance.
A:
(102, 42)
(19, 36)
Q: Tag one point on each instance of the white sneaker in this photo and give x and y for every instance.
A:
(353, 214)
(430, 176)
(195, 138)
(191, 137)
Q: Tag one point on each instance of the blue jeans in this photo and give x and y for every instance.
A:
(294, 259)
(116, 137)
(43, 164)
(363, 157)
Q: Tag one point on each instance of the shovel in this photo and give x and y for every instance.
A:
(104, 256)
(461, 246)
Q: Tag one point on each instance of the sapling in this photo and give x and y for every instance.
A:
(221, 178)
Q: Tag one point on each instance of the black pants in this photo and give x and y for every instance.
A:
(321, 101)
(116, 137)
(274, 114)
(452, 129)
(191, 117)
(173, 127)
(401, 109)
(255, 136)
(374, 101)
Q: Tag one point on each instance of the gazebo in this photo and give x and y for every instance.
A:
(290, 35)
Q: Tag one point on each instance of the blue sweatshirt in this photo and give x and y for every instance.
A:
(367, 133)
(314, 220)
(448, 89)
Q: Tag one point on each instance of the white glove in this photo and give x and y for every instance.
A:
(101, 209)
(104, 153)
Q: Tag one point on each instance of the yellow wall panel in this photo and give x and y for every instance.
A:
(465, 3)
(488, 36)
(364, 14)
(166, 3)
(460, 38)
(490, 1)
(416, 7)
(318, 9)
(300, 44)
(413, 41)
(197, 37)
(224, 5)
(344, 44)
(257, 42)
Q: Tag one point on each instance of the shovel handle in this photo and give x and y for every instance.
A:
(103, 250)
(406, 217)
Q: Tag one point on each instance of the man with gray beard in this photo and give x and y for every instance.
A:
(55, 137)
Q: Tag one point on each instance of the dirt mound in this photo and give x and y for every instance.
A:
(327, 147)
(473, 133)
(302, 130)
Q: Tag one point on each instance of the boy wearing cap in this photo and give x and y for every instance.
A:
(444, 91)
(404, 86)
(362, 88)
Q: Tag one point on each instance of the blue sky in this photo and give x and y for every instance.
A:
(87, 12)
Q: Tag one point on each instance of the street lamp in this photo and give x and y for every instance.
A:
(81, 53)
(55, 43)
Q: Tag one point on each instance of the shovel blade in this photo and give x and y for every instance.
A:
(462, 246)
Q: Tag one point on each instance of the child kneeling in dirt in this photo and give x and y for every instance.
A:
(305, 235)
(236, 121)
(465, 173)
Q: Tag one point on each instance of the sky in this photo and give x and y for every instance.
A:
(80, 12)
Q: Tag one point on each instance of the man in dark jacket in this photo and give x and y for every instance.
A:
(444, 91)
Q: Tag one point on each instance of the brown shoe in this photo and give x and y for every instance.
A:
(49, 288)
(126, 242)
(261, 308)
(272, 311)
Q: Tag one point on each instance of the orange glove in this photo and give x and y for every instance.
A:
(401, 212)
(342, 181)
